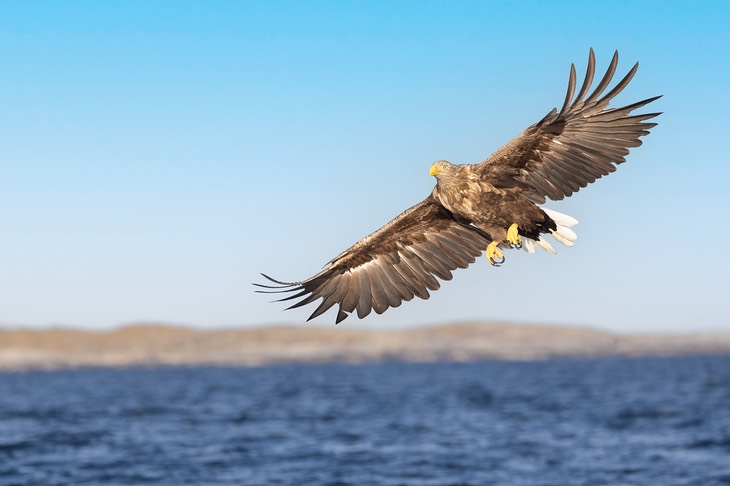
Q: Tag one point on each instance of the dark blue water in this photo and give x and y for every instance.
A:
(558, 422)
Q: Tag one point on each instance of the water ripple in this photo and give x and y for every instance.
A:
(557, 422)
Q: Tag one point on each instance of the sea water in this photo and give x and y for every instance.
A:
(619, 421)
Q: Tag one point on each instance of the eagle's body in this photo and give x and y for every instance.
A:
(464, 191)
(494, 204)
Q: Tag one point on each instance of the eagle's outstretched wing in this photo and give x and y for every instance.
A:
(397, 262)
(569, 149)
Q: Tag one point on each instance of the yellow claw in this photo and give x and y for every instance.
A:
(513, 236)
(493, 253)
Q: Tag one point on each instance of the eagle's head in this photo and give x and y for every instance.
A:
(441, 169)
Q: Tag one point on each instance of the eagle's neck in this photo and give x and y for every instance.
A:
(459, 192)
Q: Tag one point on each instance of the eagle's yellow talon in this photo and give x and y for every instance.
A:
(493, 253)
(513, 236)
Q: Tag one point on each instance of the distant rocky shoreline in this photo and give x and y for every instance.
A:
(169, 345)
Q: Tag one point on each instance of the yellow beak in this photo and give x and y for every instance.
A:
(435, 169)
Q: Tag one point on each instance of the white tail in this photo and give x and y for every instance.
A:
(563, 234)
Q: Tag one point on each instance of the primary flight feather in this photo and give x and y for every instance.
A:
(492, 205)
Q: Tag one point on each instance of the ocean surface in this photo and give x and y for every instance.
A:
(658, 421)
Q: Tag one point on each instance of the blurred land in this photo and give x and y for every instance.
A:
(169, 345)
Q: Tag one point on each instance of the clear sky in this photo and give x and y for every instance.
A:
(156, 156)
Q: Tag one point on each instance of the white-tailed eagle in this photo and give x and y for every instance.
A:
(492, 205)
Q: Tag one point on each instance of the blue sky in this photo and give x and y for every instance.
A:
(156, 156)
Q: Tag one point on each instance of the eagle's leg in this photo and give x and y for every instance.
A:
(493, 253)
(514, 237)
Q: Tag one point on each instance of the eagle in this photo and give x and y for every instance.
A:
(492, 206)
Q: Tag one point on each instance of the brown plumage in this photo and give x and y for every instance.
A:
(473, 205)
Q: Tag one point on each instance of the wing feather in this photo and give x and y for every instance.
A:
(435, 260)
(424, 275)
(571, 89)
(398, 262)
(411, 280)
(349, 302)
(397, 281)
(569, 149)
(605, 81)
(392, 293)
(365, 300)
(588, 80)
(379, 297)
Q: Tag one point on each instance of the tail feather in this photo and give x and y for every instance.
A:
(560, 218)
(567, 233)
(528, 244)
(562, 234)
(545, 246)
